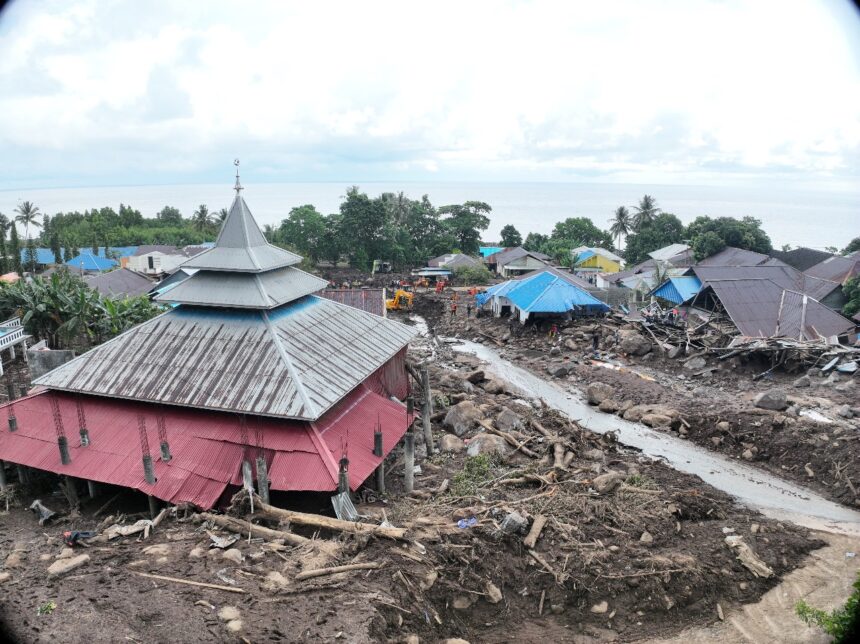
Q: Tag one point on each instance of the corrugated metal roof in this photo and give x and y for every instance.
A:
(547, 293)
(90, 262)
(678, 289)
(201, 466)
(568, 277)
(761, 308)
(508, 255)
(588, 251)
(243, 290)
(241, 246)
(371, 300)
(120, 283)
(836, 269)
(731, 256)
(668, 252)
(801, 258)
(783, 275)
(295, 361)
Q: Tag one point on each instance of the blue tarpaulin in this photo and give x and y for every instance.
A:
(90, 262)
(678, 289)
(486, 251)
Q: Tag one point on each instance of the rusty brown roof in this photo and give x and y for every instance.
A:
(784, 275)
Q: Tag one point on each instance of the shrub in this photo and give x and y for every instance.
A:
(842, 624)
(474, 274)
(475, 472)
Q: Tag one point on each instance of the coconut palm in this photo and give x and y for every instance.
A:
(620, 224)
(201, 219)
(27, 215)
(221, 216)
(645, 212)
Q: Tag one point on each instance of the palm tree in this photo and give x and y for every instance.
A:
(620, 224)
(221, 216)
(27, 214)
(201, 219)
(645, 212)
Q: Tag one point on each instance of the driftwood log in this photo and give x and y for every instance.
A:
(241, 527)
(320, 572)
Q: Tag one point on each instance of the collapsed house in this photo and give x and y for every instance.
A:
(248, 366)
(543, 293)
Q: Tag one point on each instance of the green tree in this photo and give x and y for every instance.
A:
(201, 219)
(851, 290)
(466, 222)
(511, 237)
(535, 242)
(646, 211)
(853, 246)
(303, 229)
(28, 214)
(30, 256)
(580, 231)
(745, 233)
(332, 244)
(620, 224)
(366, 223)
(129, 217)
(661, 231)
(15, 248)
(221, 216)
(707, 244)
(170, 215)
(472, 274)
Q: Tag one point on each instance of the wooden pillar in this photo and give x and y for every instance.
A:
(71, 491)
(92, 489)
(427, 409)
(380, 469)
(23, 476)
(262, 479)
(409, 462)
(2, 475)
(153, 506)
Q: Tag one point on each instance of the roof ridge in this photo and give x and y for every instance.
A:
(300, 387)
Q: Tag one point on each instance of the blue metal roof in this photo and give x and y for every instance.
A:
(46, 255)
(486, 251)
(90, 262)
(678, 289)
(548, 293)
(584, 255)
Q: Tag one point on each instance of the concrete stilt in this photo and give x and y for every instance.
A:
(409, 462)
(380, 478)
(2, 475)
(71, 487)
(23, 475)
(153, 506)
(427, 409)
(92, 489)
(343, 476)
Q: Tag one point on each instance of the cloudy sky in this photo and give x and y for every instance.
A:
(117, 93)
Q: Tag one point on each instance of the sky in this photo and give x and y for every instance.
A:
(97, 93)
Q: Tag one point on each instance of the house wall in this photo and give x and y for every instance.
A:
(521, 265)
(161, 263)
(601, 263)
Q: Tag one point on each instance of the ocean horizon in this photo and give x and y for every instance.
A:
(799, 217)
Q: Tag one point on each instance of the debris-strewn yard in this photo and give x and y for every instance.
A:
(795, 421)
(523, 527)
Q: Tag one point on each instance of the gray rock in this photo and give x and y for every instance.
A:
(451, 443)
(656, 420)
(676, 352)
(63, 566)
(508, 420)
(557, 370)
(845, 411)
(803, 381)
(593, 454)
(598, 391)
(476, 376)
(694, 364)
(493, 386)
(555, 351)
(487, 444)
(571, 345)
(462, 417)
(633, 343)
(607, 483)
(775, 399)
(514, 523)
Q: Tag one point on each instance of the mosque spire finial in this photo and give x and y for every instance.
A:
(238, 185)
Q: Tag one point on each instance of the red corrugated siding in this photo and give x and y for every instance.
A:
(205, 446)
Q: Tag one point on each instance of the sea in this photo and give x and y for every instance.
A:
(814, 218)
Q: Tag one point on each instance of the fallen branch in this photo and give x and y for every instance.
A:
(510, 440)
(534, 534)
(228, 589)
(242, 528)
(321, 572)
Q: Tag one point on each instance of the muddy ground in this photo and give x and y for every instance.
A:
(814, 442)
(630, 549)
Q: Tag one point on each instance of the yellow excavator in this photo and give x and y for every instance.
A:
(402, 301)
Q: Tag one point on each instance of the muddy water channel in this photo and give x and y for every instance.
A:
(770, 495)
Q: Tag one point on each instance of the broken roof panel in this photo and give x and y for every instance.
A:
(761, 308)
(678, 289)
(295, 361)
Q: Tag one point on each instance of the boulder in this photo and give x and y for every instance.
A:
(513, 523)
(608, 406)
(723, 426)
(633, 343)
(494, 595)
(508, 420)
(695, 363)
(462, 417)
(475, 377)
(600, 608)
(63, 566)
(571, 345)
(845, 411)
(487, 444)
(555, 351)
(593, 454)
(676, 352)
(451, 443)
(5, 576)
(775, 399)
(557, 370)
(635, 413)
(646, 538)
(493, 386)
(597, 392)
(607, 483)
(233, 555)
(656, 420)
(803, 381)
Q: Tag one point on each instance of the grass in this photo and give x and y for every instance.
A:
(637, 480)
(475, 472)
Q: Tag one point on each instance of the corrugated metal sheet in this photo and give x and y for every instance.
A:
(120, 283)
(241, 246)
(782, 274)
(244, 290)
(678, 289)
(90, 262)
(761, 308)
(731, 256)
(301, 455)
(548, 293)
(370, 300)
(567, 276)
(667, 252)
(836, 269)
(310, 354)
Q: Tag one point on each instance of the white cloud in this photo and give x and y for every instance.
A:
(552, 89)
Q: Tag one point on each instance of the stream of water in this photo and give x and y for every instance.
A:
(755, 488)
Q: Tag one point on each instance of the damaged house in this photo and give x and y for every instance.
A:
(248, 367)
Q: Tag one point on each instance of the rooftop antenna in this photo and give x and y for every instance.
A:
(238, 186)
